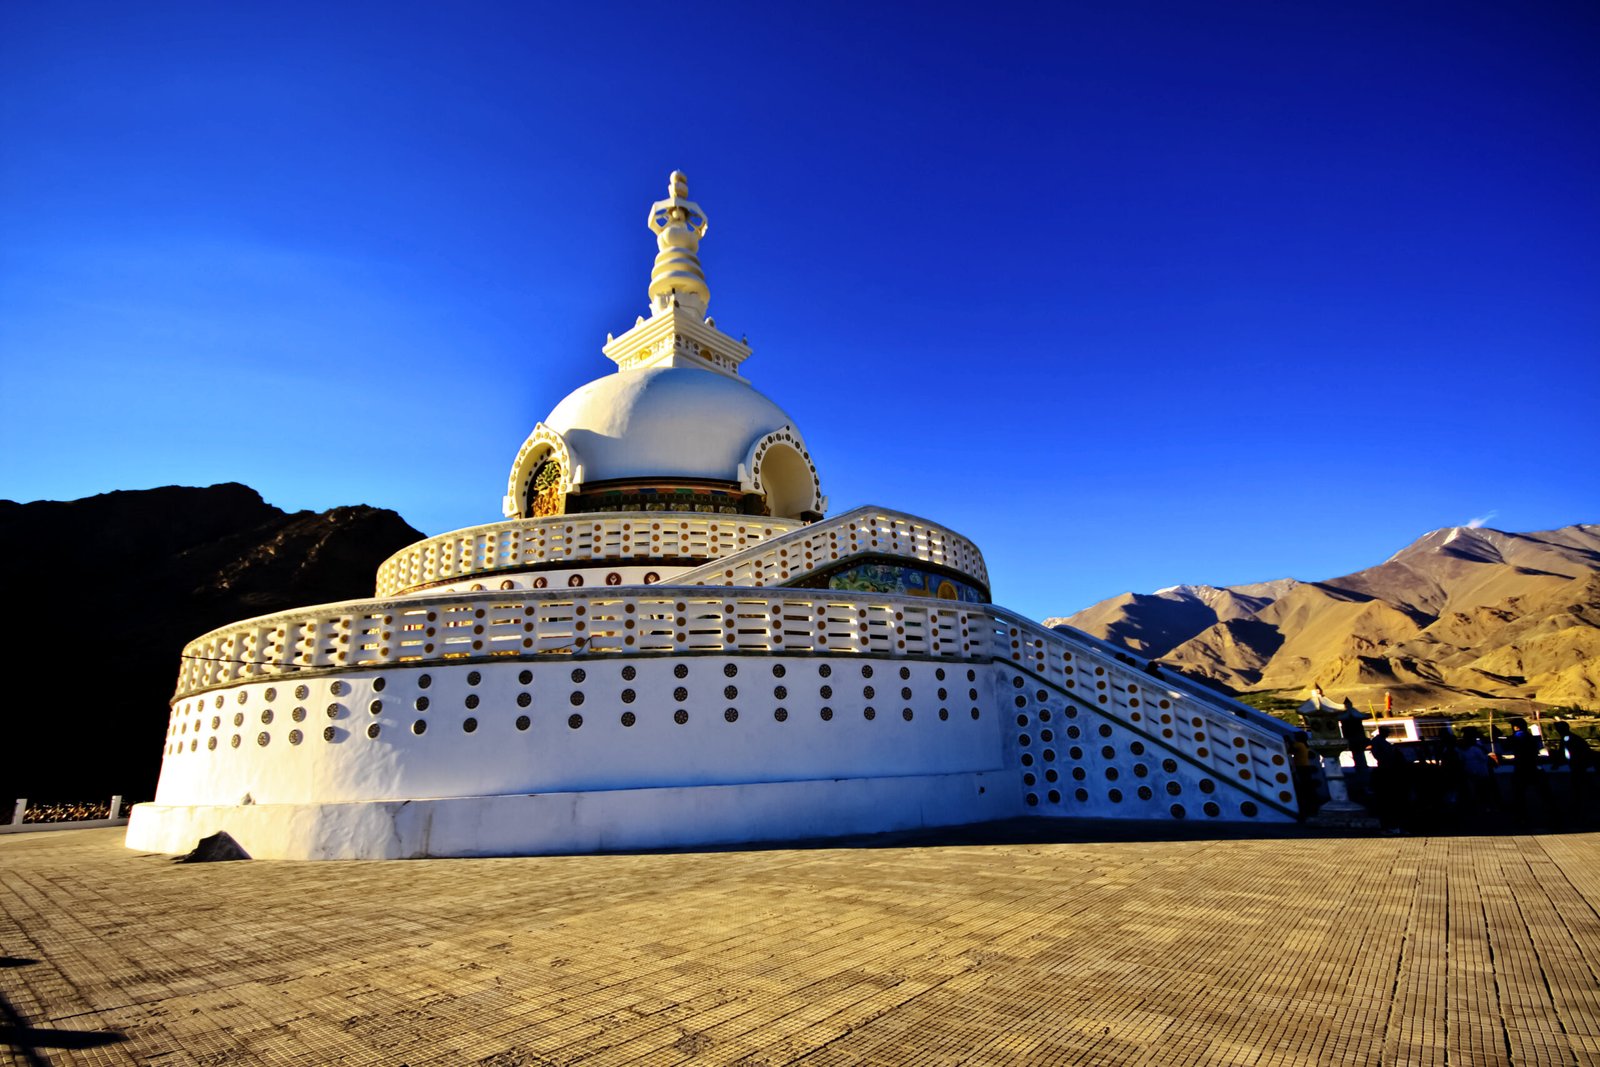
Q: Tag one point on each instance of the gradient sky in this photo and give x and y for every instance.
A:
(1132, 294)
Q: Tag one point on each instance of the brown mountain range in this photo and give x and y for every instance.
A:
(1462, 617)
(104, 593)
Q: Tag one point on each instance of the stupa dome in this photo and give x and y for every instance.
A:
(664, 422)
(676, 427)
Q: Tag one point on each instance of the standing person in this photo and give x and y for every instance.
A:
(1581, 763)
(1524, 747)
(1305, 781)
(1388, 781)
(1552, 746)
(1355, 739)
(1478, 768)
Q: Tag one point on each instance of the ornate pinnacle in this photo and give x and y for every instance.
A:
(677, 278)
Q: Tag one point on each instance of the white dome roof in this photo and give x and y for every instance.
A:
(664, 421)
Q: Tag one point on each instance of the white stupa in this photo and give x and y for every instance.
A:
(666, 643)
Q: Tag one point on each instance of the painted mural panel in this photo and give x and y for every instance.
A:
(906, 581)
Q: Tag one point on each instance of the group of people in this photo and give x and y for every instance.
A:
(1459, 774)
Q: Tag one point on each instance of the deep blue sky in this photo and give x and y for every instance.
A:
(1132, 294)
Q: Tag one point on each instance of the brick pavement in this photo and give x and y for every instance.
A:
(1300, 950)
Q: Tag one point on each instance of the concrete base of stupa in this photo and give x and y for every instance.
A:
(617, 820)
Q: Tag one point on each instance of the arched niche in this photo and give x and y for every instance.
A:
(545, 459)
(780, 469)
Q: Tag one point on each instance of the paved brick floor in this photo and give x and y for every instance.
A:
(1304, 950)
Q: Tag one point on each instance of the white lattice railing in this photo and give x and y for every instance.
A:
(522, 543)
(657, 619)
(864, 531)
(1232, 739)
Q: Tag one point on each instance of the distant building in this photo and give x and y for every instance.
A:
(666, 643)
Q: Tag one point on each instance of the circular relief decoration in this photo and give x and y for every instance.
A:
(212, 744)
(905, 714)
(905, 673)
(419, 727)
(628, 718)
(524, 699)
(1248, 809)
(651, 578)
(471, 701)
(681, 670)
(574, 721)
(216, 721)
(680, 716)
(731, 715)
(373, 730)
(335, 710)
(578, 676)
(868, 692)
(730, 692)
(905, 694)
(524, 677)
(778, 670)
(376, 707)
(781, 715)
(329, 733)
(1173, 789)
(629, 673)
(866, 670)
(869, 714)
(827, 692)
(238, 718)
(266, 717)
(613, 578)
(235, 741)
(339, 689)
(271, 694)
(825, 670)
(298, 715)
(469, 725)
(219, 700)
(628, 696)
(295, 737)
(473, 677)
(576, 699)
(379, 684)
(575, 581)
(827, 714)
(523, 722)
(422, 703)
(944, 714)
(423, 681)
(1178, 812)
(1211, 809)
(1207, 786)
(540, 582)
(680, 694)
(730, 669)
(1170, 766)
(243, 696)
(780, 692)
